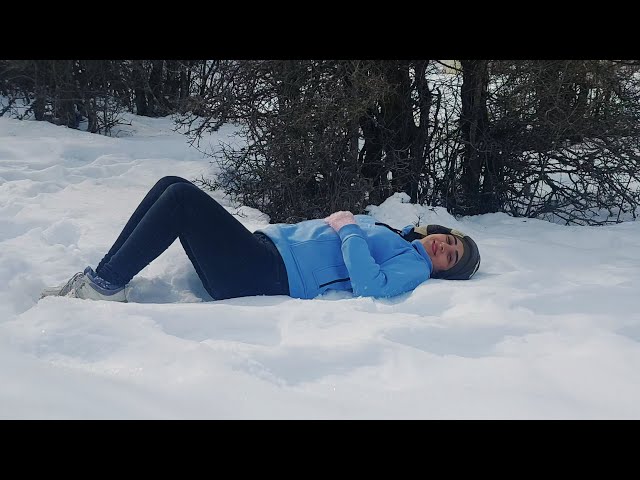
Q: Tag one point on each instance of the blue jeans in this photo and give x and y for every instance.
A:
(229, 259)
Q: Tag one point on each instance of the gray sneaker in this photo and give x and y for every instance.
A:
(81, 285)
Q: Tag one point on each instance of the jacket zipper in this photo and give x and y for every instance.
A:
(335, 281)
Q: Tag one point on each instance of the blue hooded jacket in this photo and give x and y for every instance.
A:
(365, 258)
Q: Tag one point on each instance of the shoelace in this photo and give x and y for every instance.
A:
(70, 285)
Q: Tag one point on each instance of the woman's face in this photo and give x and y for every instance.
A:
(444, 250)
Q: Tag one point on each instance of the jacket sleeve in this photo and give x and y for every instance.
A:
(399, 274)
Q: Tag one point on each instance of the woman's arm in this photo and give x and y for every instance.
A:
(399, 274)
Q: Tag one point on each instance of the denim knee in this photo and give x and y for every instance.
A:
(182, 190)
(170, 180)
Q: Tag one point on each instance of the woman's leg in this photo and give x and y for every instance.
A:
(146, 203)
(228, 258)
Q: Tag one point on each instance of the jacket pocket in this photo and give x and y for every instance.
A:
(330, 275)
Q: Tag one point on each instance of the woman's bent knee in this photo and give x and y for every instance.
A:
(170, 180)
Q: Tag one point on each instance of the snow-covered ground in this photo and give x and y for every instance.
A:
(548, 328)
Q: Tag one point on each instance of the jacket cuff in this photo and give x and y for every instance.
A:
(350, 230)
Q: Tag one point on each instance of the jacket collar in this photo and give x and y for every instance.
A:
(417, 244)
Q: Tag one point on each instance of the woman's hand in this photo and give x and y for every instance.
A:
(338, 220)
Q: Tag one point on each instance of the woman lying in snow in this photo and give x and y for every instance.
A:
(302, 260)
